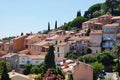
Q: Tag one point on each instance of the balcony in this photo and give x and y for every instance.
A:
(107, 38)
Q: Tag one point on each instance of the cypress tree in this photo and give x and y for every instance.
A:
(48, 26)
(49, 58)
(55, 24)
(4, 75)
(78, 13)
(88, 32)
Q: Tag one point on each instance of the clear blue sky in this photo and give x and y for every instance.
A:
(18, 16)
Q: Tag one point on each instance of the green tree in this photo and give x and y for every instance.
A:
(7, 65)
(71, 55)
(4, 75)
(77, 22)
(58, 71)
(27, 69)
(35, 70)
(96, 14)
(116, 50)
(111, 5)
(97, 68)
(87, 59)
(106, 58)
(38, 77)
(49, 58)
(66, 26)
(89, 13)
(48, 26)
(55, 24)
(88, 32)
(8, 38)
(70, 77)
(78, 13)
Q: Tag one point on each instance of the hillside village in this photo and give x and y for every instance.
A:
(31, 48)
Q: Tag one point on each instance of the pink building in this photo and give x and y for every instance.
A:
(79, 70)
(32, 39)
(105, 19)
(39, 48)
(115, 19)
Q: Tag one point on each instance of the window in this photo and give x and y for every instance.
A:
(104, 18)
(58, 55)
(55, 42)
(105, 29)
(118, 21)
(96, 51)
(100, 18)
(108, 30)
(82, 42)
(28, 62)
(57, 49)
(36, 61)
(23, 61)
(60, 41)
(26, 46)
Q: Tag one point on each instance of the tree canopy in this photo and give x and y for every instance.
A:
(106, 58)
(89, 13)
(97, 68)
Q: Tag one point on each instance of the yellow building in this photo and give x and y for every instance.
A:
(18, 43)
(32, 39)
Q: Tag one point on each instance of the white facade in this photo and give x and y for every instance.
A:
(31, 59)
(61, 50)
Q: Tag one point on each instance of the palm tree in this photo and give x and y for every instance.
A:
(116, 49)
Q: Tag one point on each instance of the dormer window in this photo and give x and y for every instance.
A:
(82, 42)
(55, 42)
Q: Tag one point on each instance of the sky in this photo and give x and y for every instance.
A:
(17, 16)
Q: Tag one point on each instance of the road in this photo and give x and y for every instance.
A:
(111, 76)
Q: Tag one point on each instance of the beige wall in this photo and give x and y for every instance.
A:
(1, 47)
(6, 47)
(63, 50)
(95, 39)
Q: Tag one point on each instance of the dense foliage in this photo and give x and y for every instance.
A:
(87, 59)
(27, 69)
(108, 7)
(4, 71)
(71, 55)
(1, 66)
(49, 58)
(106, 58)
(89, 13)
(8, 38)
(116, 50)
(97, 68)
(75, 24)
(70, 77)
